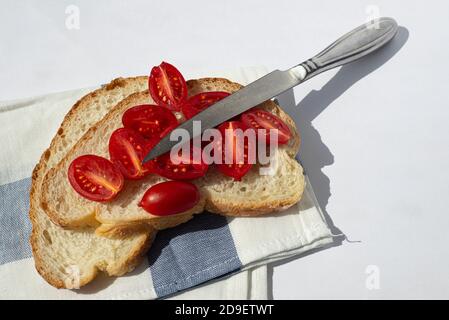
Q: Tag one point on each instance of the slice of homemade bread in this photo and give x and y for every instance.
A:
(255, 194)
(72, 258)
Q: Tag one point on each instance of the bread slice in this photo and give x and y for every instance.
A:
(72, 258)
(255, 194)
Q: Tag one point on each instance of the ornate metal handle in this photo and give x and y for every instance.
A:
(352, 46)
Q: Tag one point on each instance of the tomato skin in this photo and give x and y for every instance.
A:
(260, 119)
(167, 86)
(95, 178)
(151, 121)
(170, 197)
(127, 149)
(234, 170)
(186, 170)
(201, 101)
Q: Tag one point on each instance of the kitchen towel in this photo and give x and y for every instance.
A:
(230, 252)
(251, 284)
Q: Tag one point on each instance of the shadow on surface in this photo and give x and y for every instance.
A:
(314, 154)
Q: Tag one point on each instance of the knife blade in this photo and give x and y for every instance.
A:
(350, 47)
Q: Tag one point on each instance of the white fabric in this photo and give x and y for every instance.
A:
(250, 284)
(19, 280)
(258, 240)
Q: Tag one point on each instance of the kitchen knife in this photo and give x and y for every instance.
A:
(350, 47)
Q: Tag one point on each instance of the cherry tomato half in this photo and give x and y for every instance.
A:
(201, 101)
(229, 141)
(260, 119)
(152, 122)
(167, 86)
(186, 169)
(95, 178)
(127, 149)
(170, 197)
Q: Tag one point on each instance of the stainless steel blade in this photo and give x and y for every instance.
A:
(253, 94)
(350, 47)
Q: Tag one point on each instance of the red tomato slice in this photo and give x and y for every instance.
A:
(152, 122)
(201, 101)
(187, 169)
(260, 119)
(170, 197)
(235, 170)
(95, 178)
(167, 86)
(127, 149)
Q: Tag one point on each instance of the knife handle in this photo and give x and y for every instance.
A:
(352, 46)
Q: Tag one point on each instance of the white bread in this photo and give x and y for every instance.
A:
(255, 194)
(60, 255)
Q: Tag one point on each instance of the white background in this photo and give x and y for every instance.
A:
(375, 133)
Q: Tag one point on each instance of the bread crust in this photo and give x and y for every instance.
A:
(120, 230)
(145, 239)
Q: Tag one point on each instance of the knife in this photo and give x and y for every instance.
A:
(350, 47)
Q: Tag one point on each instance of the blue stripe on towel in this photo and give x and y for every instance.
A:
(180, 258)
(15, 227)
(192, 253)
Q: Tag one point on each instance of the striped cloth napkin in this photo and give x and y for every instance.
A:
(227, 255)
